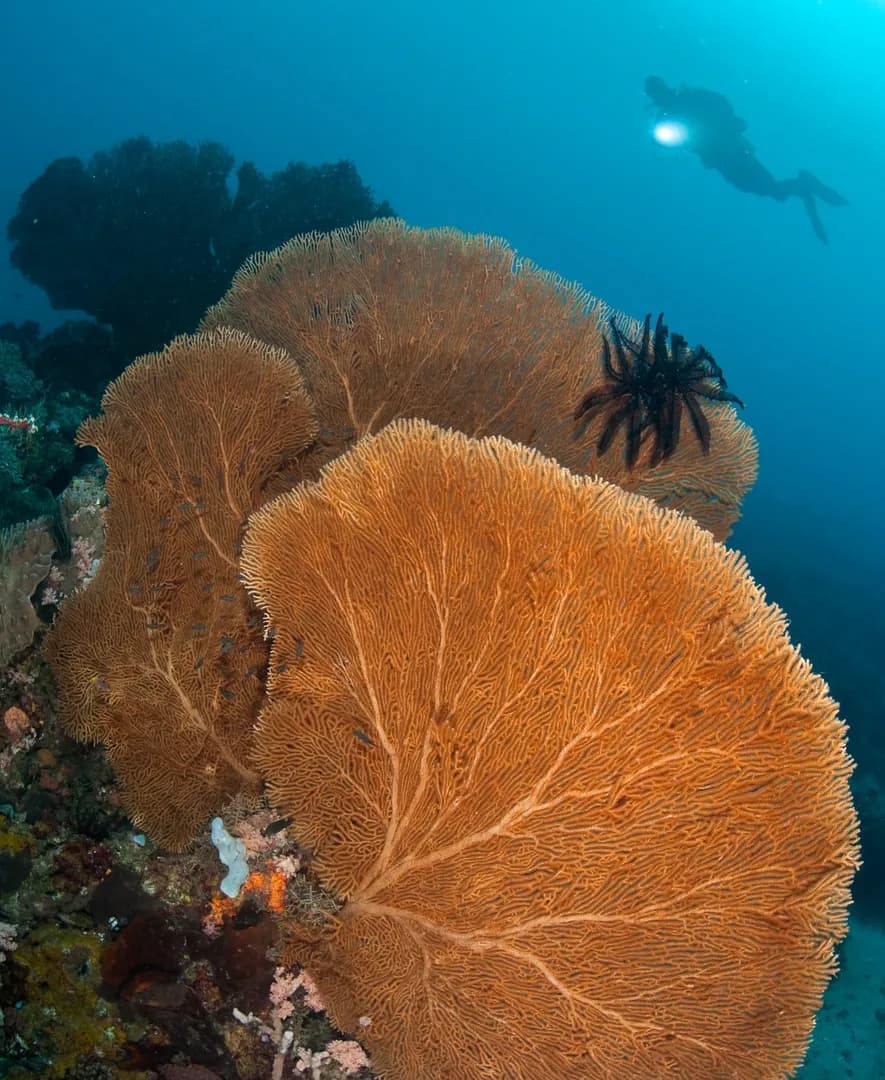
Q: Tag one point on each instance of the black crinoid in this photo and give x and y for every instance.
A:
(647, 386)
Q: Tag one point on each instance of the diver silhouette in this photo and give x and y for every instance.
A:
(716, 135)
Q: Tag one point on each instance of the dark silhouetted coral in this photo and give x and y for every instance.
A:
(145, 236)
(79, 355)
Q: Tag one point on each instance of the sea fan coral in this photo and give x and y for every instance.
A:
(161, 658)
(587, 806)
(387, 322)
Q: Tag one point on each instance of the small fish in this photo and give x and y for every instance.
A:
(277, 826)
(363, 737)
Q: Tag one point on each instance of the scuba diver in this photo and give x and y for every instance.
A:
(705, 123)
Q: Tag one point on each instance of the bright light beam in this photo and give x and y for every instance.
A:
(670, 132)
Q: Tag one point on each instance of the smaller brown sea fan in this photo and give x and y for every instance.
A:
(161, 658)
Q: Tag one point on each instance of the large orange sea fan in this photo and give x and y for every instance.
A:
(586, 805)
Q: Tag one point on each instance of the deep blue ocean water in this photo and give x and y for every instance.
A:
(529, 121)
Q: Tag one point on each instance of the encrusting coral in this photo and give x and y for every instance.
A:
(586, 804)
(25, 560)
(161, 658)
(387, 321)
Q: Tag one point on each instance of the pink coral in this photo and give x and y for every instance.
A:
(83, 553)
(282, 988)
(312, 998)
(348, 1054)
(53, 588)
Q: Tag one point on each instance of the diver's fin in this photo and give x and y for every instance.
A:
(808, 182)
(813, 216)
(807, 187)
